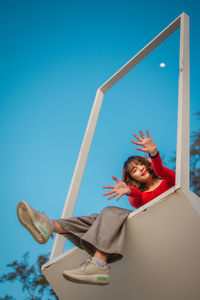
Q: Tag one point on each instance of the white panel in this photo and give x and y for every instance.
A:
(161, 260)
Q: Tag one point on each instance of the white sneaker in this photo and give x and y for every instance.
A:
(89, 272)
(37, 223)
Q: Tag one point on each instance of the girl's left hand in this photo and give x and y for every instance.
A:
(146, 142)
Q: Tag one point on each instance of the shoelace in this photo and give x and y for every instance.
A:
(86, 263)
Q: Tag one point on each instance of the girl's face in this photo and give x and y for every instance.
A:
(139, 172)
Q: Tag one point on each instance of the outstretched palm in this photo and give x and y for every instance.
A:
(146, 142)
(119, 189)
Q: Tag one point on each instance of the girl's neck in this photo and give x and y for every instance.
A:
(153, 184)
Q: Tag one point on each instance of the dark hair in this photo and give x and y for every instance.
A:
(128, 179)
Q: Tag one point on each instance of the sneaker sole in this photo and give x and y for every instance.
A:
(25, 217)
(102, 280)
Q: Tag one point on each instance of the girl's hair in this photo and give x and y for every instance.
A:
(128, 179)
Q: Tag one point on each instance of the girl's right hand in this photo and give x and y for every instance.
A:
(119, 189)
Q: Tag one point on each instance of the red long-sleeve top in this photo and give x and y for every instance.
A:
(138, 198)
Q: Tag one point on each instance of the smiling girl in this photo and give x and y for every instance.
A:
(143, 179)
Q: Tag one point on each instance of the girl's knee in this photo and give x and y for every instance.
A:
(108, 208)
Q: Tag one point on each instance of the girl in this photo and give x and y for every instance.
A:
(143, 180)
(102, 235)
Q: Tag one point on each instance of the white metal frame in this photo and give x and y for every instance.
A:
(183, 131)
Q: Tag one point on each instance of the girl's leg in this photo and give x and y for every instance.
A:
(41, 227)
(58, 228)
(94, 271)
(101, 255)
(98, 254)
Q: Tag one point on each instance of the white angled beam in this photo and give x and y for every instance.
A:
(183, 130)
(161, 37)
(59, 243)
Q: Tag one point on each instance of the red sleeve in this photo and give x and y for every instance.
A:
(135, 197)
(163, 172)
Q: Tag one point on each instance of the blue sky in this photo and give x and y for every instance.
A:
(53, 57)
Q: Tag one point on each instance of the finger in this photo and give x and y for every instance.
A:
(116, 179)
(108, 187)
(140, 149)
(148, 134)
(137, 143)
(109, 193)
(142, 135)
(113, 196)
(137, 137)
(118, 198)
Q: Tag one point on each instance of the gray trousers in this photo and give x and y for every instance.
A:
(105, 231)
